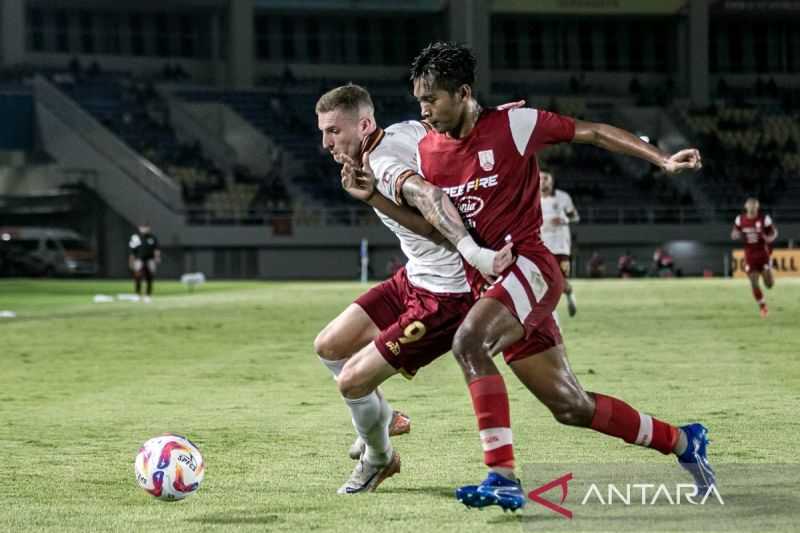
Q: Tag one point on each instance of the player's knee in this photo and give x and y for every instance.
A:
(467, 343)
(352, 384)
(326, 346)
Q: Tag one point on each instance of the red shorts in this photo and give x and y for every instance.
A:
(757, 261)
(530, 289)
(417, 325)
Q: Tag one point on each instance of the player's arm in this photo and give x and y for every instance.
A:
(620, 141)
(364, 189)
(770, 231)
(157, 250)
(438, 209)
(405, 217)
(133, 246)
(572, 216)
(736, 231)
(570, 212)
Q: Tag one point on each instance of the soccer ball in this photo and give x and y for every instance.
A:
(169, 467)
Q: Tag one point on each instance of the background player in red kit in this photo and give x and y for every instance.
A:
(485, 160)
(758, 233)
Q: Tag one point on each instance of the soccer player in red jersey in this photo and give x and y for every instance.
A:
(758, 233)
(478, 184)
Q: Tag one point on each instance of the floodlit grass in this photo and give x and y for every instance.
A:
(232, 366)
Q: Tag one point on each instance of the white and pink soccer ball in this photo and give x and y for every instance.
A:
(169, 467)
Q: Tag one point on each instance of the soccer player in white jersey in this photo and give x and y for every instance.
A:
(558, 212)
(407, 321)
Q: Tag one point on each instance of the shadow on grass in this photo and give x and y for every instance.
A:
(237, 517)
(436, 492)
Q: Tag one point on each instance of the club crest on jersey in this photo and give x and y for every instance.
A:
(486, 159)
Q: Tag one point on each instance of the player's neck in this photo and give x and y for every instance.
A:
(468, 120)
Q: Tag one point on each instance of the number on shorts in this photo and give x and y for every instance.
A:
(413, 332)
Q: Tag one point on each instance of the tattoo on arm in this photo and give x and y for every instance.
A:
(405, 217)
(435, 206)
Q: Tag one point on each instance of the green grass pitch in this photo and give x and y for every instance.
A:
(232, 366)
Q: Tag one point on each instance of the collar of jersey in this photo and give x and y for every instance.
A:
(372, 140)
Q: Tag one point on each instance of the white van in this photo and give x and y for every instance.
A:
(38, 251)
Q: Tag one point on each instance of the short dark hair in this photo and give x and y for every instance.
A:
(447, 65)
(350, 97)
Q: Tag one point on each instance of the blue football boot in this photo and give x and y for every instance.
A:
(495, 490)
(695, 460)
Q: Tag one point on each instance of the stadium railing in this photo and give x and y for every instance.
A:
(359, 216)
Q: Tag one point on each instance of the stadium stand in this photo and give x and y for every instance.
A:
(134, 111)
(748, 151)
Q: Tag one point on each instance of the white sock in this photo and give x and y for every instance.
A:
(335, 366)
(681, 444)
(371, 417)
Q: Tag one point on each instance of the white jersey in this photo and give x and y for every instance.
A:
(430, 266)
(557, 236)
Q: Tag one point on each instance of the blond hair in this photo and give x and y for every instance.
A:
(350, 97)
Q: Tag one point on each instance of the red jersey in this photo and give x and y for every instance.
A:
(492, 175)
(757, 233)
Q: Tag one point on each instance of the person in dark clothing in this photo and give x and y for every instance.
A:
(144, 256)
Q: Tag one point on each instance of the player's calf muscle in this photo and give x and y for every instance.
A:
(572, 407)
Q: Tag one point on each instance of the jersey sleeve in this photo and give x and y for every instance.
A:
(770, 230)
(569, 207)
(390, 173)
(737, 222)
(535, 129)
(134, 242)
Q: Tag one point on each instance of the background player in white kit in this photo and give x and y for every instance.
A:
(558, 212)
(407, 321)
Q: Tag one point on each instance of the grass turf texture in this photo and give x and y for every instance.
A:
(232, 366)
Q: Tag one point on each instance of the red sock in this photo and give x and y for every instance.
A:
(618, 419)
(758, 295)
(490, 403)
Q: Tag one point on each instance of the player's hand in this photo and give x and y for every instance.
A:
(736, 234)
(511, 105)
(503, 259)
(557, 221)
(489, 263)
(688, 159)
(358, 181)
